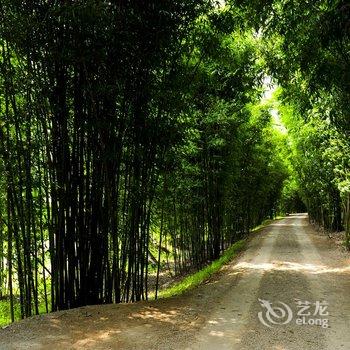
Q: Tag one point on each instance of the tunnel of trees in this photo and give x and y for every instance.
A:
(137, 134)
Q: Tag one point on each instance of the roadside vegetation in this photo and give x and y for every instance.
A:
(136, 138)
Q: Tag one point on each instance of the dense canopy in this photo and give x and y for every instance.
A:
(144, 136)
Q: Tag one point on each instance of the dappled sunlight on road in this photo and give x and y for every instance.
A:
(156, 314)
(179, 318)
(292, 266)
(222, 320)
(219, 333)
(92, 340)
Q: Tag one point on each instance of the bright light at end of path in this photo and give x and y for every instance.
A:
(269, 89)
(219, 3)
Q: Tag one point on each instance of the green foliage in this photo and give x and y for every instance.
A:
(5, 312)
(132, 135)
(306, 47)
(321, 164)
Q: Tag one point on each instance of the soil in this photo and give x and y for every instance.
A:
(287, 262)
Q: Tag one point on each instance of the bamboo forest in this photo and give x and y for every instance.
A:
(141, 142)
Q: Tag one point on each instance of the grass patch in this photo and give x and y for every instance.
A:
(203, 275)
(266, 223)
(199, 277)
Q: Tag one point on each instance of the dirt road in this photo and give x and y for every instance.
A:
(301, 277)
